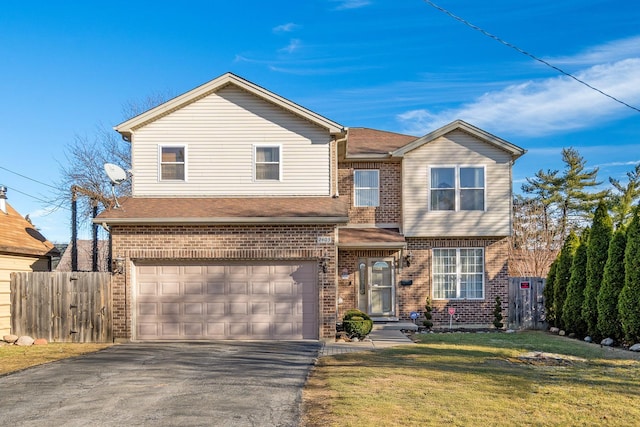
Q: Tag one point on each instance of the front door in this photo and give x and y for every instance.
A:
(377, 293)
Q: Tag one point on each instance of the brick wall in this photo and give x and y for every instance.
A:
(202, 242)
(389, 211)
(412, 298)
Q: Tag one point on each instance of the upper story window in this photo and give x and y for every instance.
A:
(267, 163)
(173, 163)
(366, 185)
(458, 273)
(459, 188)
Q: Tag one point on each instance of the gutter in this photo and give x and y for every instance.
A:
(223, 220)
(380, 245)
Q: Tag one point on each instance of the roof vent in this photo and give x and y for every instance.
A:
(3, 198)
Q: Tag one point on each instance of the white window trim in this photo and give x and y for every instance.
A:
(458, 276)
(186, 174)
(362, 188)
(457, 188)
(280, 162)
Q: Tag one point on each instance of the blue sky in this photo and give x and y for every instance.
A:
(401, 66)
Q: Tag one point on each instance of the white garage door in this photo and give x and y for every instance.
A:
(260, 300)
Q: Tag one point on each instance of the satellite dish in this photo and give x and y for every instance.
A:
(116, 174)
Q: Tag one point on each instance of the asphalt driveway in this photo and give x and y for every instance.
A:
(160, 384)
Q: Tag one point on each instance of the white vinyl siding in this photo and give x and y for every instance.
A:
(458, 273)
(366, 185)
(221, 131)
(462, 149)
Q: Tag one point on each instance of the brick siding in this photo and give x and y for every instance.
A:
(413, 297)
(389, 211)
(208, 242)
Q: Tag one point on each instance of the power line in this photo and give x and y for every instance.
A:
(34, 197)
(530, 55)
(30, 179)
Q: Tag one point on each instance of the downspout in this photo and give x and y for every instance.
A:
(336, 174)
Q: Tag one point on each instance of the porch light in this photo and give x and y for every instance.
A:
(323, 263)
(407, 259)
(118, 265)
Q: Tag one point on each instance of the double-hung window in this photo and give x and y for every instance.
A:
(457, 188)
(366, 183)
(458, 273)
(267, 163)
(173, 163)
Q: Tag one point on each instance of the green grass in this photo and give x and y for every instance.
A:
(476, 380)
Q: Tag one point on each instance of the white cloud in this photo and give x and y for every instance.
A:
(608, 52)
(293, 46)
(351, 4)
(286, 28)
(543, 107)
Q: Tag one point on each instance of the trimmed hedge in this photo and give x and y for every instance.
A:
(357, 324)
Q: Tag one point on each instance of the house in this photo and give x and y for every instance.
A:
(85, 256)
(252, 217)
(22, 248)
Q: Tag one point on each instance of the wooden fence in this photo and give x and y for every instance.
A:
(526, 303)
(62, 306)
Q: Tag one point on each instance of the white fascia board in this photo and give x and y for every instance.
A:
(126, 128)
(512, 149)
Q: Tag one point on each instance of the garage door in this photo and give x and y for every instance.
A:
(270, 300)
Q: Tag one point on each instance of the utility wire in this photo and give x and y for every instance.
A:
(35, 198)
(30, 179)
(524, 52)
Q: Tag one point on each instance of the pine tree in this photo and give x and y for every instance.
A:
(622, 201)
(565, 195)
(612, 283)
(597, 254)
(547, 293)
(577, 204)
(629, 301)
(563, 275)
(572, 310)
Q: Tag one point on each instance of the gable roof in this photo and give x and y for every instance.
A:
(20, 237)
(85, 256)
(485, 136)
(256, 210)
(127, 128)
(364, 142)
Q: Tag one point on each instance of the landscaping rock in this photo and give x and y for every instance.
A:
(10, 338)
(562, 333)
(607, 342)
(510, 331)
(40, 341)
(635, 347)
(554, 330)
(588, 339)
(25, 341)
(572, 335)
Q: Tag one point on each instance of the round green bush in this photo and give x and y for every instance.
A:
(357, 324)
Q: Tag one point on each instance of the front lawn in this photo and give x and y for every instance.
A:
(477, 380)
(15, 358)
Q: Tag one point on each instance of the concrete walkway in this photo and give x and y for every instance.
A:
(383, 335)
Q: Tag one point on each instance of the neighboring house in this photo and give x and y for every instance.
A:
(85, 256)
(22, 248)
(253, 217)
